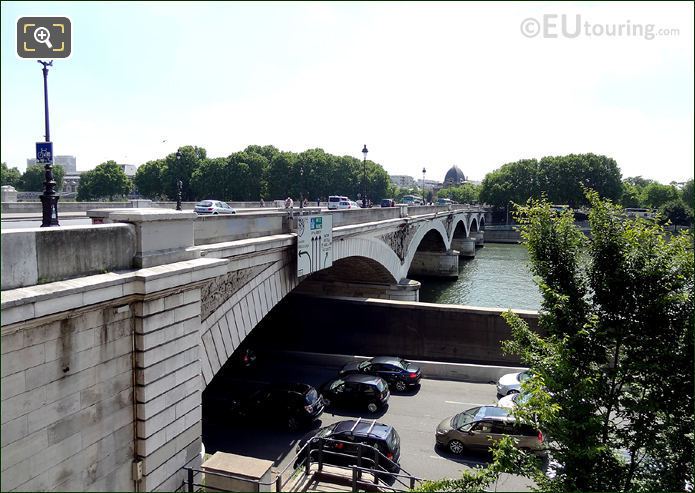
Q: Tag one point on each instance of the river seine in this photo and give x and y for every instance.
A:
(498, 277)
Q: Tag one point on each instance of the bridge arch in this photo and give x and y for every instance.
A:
(460, 229)
(439, 232)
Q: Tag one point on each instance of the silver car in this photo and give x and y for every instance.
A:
(213, 207)
(511, 382)
(480, 427)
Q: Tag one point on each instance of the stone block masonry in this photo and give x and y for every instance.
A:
(67, 403)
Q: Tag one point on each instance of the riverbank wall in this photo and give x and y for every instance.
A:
(371, 327)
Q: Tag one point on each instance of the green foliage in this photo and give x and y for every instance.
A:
(467, 193)
(677, 212)
(107, 180)
(148, 179)
(655, 194)
(262, 172)
(687, 194)
(9, 176)
(561, 178)
(32, 179)
(613, 370)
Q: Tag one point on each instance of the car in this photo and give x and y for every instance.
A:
(513, 399)
(511, 382)
(398, 373)
(480, 427)
(288, 404)
(344, 439)
(213, 207)
(388, 203)
(347, 204)
(357, 391)
(444, 201)
(334, 200)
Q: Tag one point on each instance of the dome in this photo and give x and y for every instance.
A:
(454, 176)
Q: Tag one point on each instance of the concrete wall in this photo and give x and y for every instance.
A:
(502, 234)
(376, 327)
(39, 255)
(218, 229)
(67, 403)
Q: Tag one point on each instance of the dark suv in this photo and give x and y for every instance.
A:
(358, 391)
(380, 444)
(398, 373)
(292, 404)
(388, 203)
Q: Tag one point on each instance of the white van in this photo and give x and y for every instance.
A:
(334, 200)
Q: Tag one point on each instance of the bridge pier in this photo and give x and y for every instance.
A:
(479, 237)
(405, 290)
(465, 246)
(436, 264)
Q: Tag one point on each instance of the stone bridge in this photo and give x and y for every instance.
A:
(111, 332)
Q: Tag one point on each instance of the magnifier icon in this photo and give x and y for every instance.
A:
(43, 35)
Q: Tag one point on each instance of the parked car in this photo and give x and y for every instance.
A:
(291, 405)
(334, 200)
(213, 207)
(345, 438)
(479, 427)
(388, 203)
(513, 399)
(357, 391)
(511, 382)
(398, 373)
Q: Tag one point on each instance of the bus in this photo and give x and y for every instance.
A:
(411, 200)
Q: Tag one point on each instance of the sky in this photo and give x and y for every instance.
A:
(426, 85)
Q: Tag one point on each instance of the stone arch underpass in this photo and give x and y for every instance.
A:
(105, 367)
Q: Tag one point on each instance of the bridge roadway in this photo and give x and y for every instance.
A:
(110, 332)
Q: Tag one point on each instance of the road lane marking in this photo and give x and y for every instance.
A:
(467, 403)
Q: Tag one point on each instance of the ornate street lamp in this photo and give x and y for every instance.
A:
(49, 199)
(301, 187)
(179, 184)
(423, 185)
(364, 184)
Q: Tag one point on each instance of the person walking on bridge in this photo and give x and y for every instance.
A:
(289, 203)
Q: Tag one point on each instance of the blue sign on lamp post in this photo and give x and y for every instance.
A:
(44, 152)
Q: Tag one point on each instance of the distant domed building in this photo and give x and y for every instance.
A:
(454, 176)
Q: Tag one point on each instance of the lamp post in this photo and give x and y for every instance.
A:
(301, 187)
(179, 184)
(49, 199)
(423, 185)
(364, 184)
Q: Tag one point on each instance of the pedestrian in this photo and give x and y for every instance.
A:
(318, 201)
(305, 203)
(289, 203)
(262, 202)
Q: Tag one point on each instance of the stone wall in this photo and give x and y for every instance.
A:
(40, 255)
(374, 327)
(67, 403)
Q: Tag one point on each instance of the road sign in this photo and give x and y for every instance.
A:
(314, 244)
(44, 152)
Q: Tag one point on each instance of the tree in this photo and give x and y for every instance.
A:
(687, 193)
(615, 350)
(106, 180)
(467, 193)
(148, 179)
(655, 194)
(677, 212)
(560, 178)
(32, 179)
(9, 176)
(191, 157)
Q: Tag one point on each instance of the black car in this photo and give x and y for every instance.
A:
(290, 404)
(399, 373)
(358, 391)
(343, 440)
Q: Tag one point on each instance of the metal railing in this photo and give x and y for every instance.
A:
(369, 460)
